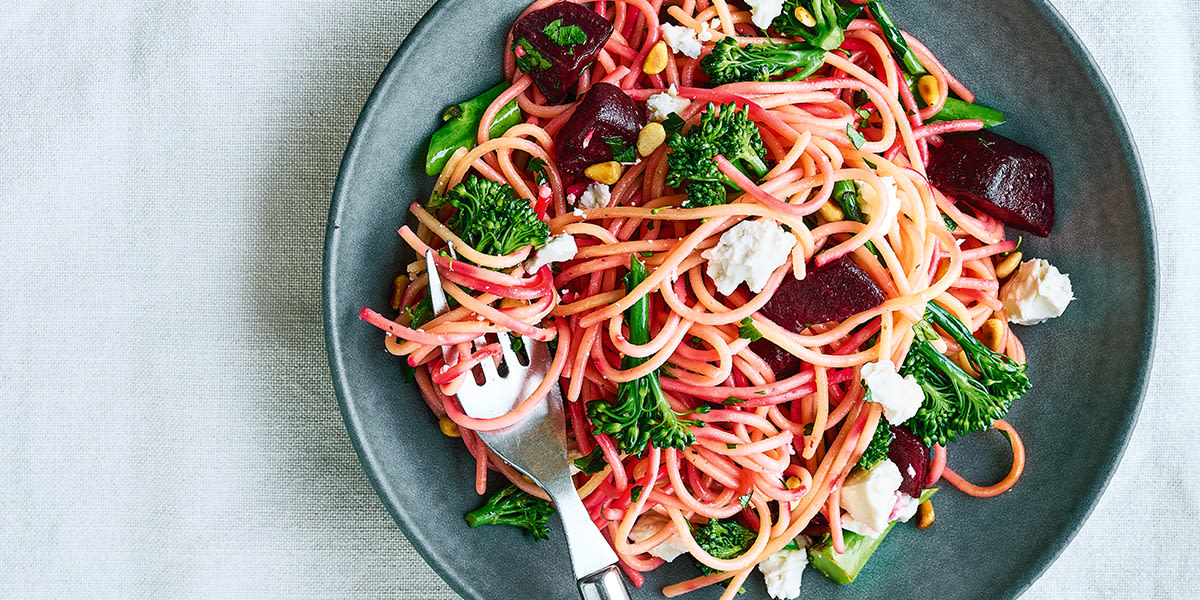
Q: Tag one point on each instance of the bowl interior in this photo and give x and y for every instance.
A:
(1088, 366)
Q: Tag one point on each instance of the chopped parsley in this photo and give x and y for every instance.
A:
(531, 60)
(622, 152)
(569, 35)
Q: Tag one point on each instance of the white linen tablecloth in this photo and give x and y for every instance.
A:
(169, 428)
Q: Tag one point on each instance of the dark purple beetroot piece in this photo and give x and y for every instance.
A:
(910, 454)
(605, 117)
(783, 363)
(830, 293)
(997, 176)
(555, 44)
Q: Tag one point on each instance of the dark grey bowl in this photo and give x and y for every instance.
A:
(1089, 367)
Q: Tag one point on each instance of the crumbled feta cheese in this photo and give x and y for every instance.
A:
(905, 508)
(1036, 292)
(748, 252)
(900, 397)
(870, 495)
(682, 39)
(665, 104)
(764, 11)
(706, 31)
(850, 524)
(782, 572)
(595, 196)
(649, 525)
(579, 213)
(559, 248)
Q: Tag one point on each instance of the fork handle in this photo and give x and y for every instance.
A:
(604, 585)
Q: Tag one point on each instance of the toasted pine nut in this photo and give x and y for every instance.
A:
(925, 514)
(398, 287)
(960, 359)
(606, 172)
(1008, 265)
(650, 138)
(792, 482)
(448, 427)
(804, 16)
(927, 86)
(831, 213)
(656, 59)
(992, 334)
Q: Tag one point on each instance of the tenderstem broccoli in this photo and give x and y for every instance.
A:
(831, 21)
(955, 403)
(731, 63)
(642, 415)
(491, 218)
(723, 540)
(727, 131)
(877, 450)
(1001, 375)
(511, 506)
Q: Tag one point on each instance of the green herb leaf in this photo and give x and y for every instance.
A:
(856, 138)
(532, 60)
(673, 123)
(622, 152)
(745, 500)
(748, 331)
(537, 166)
(564, 36)
(592, 463)
(950, 224)
(731, 401)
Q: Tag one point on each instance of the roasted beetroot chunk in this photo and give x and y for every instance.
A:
(554, 45)
(783, 363)
(912, 457)
(606, 117)
(830, 293)
(996, 176)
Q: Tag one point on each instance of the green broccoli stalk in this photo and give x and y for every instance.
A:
(731, 63)
(877, 450)
(955, 403)
(1001, 375)
(511, 506)
(895, 38)
(728, 132)
(723, 540)
(641, 415)
(832, 20)
(491, 218)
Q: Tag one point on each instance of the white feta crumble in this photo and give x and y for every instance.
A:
(748, 252)
(764, 11)
(900, 397)
(870, 495)
(682, 40)
(579, 213)
(850, 524)
(649, 525)
(1036, 292)
(706, 31)
(782, 572)
(905, 508)
(665, 104)
(596, 195)
(559, 248)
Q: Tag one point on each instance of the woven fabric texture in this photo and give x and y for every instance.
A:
(170, 428)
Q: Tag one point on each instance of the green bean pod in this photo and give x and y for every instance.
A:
(461, 124)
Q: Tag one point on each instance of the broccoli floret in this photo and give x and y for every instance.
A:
(727, 131)
(491, 218)
(955, 403)
(832, 20)
(731, 63)
(723, 540)
(877, 450)
(511, 506)
(1001, 375)
(641, 415)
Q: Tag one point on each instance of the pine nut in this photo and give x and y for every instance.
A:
(606, 172)
(1008, 265)
(656, 59)
(831, 213)
(792, 482)
(960, 359)
(448, 427)
(992, 334)
(925, 514)
(650, 138)
(927, 86)
(398, 287)
(804, 16)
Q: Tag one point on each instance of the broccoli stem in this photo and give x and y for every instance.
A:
(896, 39)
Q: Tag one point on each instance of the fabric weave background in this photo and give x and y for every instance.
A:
(169, 425)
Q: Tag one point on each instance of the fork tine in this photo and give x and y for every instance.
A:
(437, 296)
(489, 370)
(510, 355)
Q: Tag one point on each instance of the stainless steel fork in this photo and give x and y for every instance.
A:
(537, 446)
